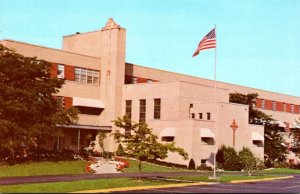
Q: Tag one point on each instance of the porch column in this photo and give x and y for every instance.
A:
(78, 143)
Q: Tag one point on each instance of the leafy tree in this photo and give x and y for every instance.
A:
(101, 136)
(249, 162)
(275, 150)
(227, 158)
(28, 110)
(295, 135)
(255, 116)
(141, 143)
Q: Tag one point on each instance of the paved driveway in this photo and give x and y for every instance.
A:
(275, 186)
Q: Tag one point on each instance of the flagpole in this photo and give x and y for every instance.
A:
(215, 99)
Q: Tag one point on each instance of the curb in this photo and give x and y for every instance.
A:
(263, 179)
(143, 187)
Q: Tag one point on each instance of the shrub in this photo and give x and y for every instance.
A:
(120, 151)
(205, 168)
(249, 162)
(192, 165)
(227, 158)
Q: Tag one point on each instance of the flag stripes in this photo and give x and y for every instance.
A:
(208, 42)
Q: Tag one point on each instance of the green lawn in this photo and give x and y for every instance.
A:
(77, 167)
(69, 167)
(147, 167)
(77, 185)
(108, 183)
(43, 168)
(282, 171)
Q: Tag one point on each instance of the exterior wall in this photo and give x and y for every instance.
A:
(176, 98)
(223, 118)
(150, 91)
(109, 44)
(192, 93)
(161, 75)
(258, 151)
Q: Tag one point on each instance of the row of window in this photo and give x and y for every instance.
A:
(134, 80)
(200, 116)
(284, 106)
(87, 76)
(142, 110)
(82, 75)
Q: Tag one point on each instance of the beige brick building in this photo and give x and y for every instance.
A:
(180, 108)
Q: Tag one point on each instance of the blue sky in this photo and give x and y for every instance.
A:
(258, 41)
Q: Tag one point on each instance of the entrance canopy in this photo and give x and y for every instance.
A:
(206, 132)
(257, 137)
(295, 126)
(168, 132)
(86, 102)
(280, 124)
(90, 127)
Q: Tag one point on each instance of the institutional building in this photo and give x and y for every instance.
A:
(179, 108)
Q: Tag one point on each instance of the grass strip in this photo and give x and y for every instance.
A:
(147, 167)
(78, 185)
(282, 171)
(43, 168)
(223, 178)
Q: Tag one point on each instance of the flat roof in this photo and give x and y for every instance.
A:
(44, 47)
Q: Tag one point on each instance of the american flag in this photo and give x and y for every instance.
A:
(209, 41)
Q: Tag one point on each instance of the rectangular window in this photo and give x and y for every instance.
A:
(193, 115)
(257, 143)
(203, 162)
(274, 105)
(61, 71)
(77, 74)
(284, 107)
(128, 108)
(61, 102)
(208, 115)
(149, 81)
(142, 111)
(200, 116)
(167, 138)
(157, 104)
(292, 108)
(263, 104)
(87, 76)
(134, 80)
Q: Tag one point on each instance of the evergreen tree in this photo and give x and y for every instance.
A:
(295, 135)
(227, 158)
(275, 149)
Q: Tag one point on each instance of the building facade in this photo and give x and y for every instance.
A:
(179, 108)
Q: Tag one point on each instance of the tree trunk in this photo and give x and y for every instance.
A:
(140, 169)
